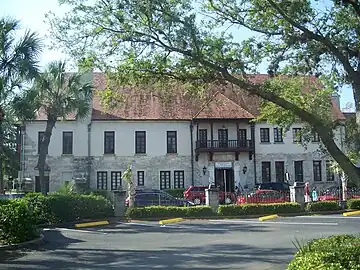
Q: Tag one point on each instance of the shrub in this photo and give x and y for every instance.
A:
(322, 206)
(258, 209)
(331, 253)
(57, 208)
(177, 192)
(169, 212)
(17, 222)
(353, 204)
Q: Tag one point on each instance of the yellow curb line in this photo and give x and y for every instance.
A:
(353, 213)
(90, 224)
(268, 217)
(172, 220)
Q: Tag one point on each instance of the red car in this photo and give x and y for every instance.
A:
(196, 194)
(264, 196)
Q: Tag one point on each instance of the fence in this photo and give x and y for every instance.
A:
(337, 194)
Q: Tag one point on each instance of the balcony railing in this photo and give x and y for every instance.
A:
(228, 145)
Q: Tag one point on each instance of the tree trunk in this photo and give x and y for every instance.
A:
(44, 146)
(325, 133)
(1, 158)
(356, 93)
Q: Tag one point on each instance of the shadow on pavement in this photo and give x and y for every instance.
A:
(54, 239)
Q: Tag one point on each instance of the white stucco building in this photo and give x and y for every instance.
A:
(173, 143)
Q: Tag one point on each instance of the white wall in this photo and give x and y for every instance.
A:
(156, 137)
(79, 129)
(287, 146)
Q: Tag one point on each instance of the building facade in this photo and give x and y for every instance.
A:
(174, 143)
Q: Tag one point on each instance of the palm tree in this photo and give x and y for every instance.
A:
(18, 65)
(57, 94)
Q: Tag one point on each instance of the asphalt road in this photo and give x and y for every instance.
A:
(211, 244)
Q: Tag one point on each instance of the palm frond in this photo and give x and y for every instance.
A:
(63, 93)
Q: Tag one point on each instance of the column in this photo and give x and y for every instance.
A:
(238, 135)
(237, 177)
(212, 134)
(211, 173)
(197, 132)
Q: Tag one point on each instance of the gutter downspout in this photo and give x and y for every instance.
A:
(254, 155)
(192, 152)
(89, 161)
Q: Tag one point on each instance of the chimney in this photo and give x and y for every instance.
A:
(336, 98)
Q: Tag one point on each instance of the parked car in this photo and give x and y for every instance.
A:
(274, 186)
(156, 197)
(196, 194)
(264, 196)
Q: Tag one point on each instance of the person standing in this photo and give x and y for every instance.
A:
(307, 192)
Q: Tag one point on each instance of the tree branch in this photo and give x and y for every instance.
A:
(324, 40)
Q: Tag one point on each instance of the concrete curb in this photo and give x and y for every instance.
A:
(36, 241)
(352, 213)
(268, 217)
(172, 220)
(91, 224)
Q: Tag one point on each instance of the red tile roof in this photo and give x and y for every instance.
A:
(222, 102)
(220, 107)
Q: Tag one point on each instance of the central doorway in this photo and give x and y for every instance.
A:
(224, 178)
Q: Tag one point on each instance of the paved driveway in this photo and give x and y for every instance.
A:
(211, 244)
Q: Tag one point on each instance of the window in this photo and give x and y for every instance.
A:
(115, 180)
(40, 139)
(278, 137)
(315, 137)
(330, 175)
(109, 142)
(280, 171)
(298, 166)
(317, 170)
(165, 181)
(179, 179)
(264, 135)
(140, 178)
(297, 135)
(266, 171)
(67, 147)
(101, 180)
(203, 138)
(171, 142)
(140, 142)
(223, 138)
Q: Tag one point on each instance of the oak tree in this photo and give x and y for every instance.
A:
(199, 43)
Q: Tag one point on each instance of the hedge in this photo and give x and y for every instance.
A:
(169, 212)
(258, 209)
(331, 253)
(322, 206)
(353, 204)
(17, 222)
(58, 208)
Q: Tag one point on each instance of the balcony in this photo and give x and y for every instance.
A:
(224, 146)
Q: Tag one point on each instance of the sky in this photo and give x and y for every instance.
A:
(31, 13)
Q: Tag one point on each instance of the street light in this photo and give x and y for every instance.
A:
(204, 170)
(245, 169)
